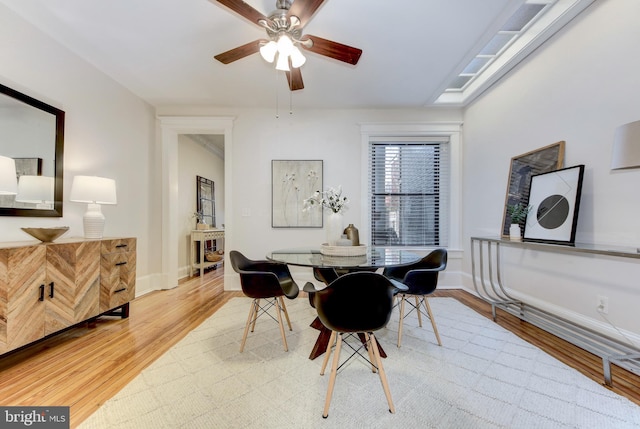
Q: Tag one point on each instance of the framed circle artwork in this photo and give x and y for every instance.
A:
(554, 199)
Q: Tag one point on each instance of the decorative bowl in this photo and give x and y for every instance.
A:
(326, 249)
(46, 235)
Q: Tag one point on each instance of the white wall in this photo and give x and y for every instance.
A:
(108, 132)
(194, 160)
(259, 137)
(578, 88)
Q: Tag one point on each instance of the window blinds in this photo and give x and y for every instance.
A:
(409, 191)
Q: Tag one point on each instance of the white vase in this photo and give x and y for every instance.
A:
(334, 228)
(515, 233)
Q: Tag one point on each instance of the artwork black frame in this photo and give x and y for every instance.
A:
(206, 200)
(555, 202)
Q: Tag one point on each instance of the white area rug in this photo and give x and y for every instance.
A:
(482, 377)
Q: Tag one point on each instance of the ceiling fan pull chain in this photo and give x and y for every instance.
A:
(291, 102)
(277, 103)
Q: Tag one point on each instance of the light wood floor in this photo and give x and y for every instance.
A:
(83, 367)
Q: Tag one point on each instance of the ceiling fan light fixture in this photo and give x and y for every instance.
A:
(283, 62)
(285, 45)
(297, 59)
(269, 50)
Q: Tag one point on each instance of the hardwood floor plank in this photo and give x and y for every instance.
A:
(84, 367)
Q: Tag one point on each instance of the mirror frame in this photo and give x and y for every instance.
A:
(59, 158)
(201, 183)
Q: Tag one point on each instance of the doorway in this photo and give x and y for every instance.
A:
(170, 128)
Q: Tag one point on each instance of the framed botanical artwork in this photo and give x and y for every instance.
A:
(555, 199)
(292, 182)
(523, 167)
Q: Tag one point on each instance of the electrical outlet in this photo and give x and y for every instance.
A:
(603, 304)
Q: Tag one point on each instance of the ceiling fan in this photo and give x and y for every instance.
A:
(284, 38)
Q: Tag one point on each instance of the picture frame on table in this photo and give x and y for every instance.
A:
(522, 168)
(292, 182)
(555, 202)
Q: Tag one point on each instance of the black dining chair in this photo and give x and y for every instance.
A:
(355, 303)
(421, 279)
(264, 280)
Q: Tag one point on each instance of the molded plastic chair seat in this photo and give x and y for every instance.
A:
(264, 280)
(421, 279)
(355, 303)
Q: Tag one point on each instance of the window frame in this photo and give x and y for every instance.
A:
(449, 130)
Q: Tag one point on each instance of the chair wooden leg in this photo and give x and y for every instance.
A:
(332, 379)
(284, 338)
(372, 356)
(402, 297)
(433, 321)
(252, 310)
(256, 306)
(332, 339)
(286, 313)
(418, 310)
(381, 373)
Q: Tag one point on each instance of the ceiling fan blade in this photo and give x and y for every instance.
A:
(239, 52)
(304, 10)
(338, 51)
(294, 77)
(244, 10)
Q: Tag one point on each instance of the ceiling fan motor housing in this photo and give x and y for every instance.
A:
(279, 23)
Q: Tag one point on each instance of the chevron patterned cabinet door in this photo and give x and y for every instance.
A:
(73, 284)
(22, 279)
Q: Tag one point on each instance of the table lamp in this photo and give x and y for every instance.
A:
(626, 146)
(8, 181)
(94, 191)
(36, 190)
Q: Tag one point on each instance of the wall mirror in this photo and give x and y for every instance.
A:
(206, 201)
(32, 132)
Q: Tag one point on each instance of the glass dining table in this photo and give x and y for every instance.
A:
(327, 268)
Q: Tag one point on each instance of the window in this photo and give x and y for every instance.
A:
(409, 191)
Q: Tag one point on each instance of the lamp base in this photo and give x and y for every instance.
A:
(93, 221)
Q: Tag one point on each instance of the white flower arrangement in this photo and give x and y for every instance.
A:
(332, 199)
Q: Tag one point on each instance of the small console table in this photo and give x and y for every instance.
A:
(197, 259)
(486, 270)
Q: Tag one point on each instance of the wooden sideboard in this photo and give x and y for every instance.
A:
(197, 254)
(47, 287)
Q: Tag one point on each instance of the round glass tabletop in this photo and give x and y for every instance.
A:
(376, 257)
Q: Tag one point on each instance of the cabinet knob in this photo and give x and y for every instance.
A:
(120, 246)
(51, 286)
(41, 298)
(121, 263)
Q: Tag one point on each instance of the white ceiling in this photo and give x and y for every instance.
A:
(162, 50)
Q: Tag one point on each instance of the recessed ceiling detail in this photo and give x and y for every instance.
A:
(530, 25)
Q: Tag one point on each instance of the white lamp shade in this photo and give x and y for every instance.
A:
(297, 59)
(626, 146)
(8, 181)
(283, 62)
(268, 51)
(285, 45)
(92, 189)
(35, 189)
